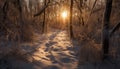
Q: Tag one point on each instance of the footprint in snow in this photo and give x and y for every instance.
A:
(50, 43)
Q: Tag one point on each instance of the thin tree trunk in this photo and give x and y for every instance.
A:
(44, 18)
(105, 34)
(21, 19)
(71, 27)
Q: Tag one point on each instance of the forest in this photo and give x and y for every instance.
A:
(59, 34)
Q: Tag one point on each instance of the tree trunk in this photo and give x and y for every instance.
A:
(105, 34)
(71, 27)
(44, 18)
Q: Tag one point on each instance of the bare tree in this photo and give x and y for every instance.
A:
(44, 19)
(105, 33)
(71, 13)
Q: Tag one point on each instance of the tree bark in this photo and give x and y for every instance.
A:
(71, 13)
(105, 33)
(44, 18)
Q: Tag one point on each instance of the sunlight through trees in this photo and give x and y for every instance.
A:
(60, 34)
(64, 14)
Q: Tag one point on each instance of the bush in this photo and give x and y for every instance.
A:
(13, 31)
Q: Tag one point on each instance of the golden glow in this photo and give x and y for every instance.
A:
(64, 14)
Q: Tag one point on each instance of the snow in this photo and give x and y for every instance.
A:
(50, 51)
(53, 51)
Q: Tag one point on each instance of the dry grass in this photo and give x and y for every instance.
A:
(89, 38)
(13, 31)
(90, 52)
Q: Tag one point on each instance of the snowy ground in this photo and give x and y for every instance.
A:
(56, 51)
(52, 51)
(59, 53)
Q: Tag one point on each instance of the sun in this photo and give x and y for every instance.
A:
(64, 14)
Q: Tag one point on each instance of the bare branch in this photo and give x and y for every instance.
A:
(96, 10)
(93, 7)
(42, 10)
(78, 6)
(4, 6)
(117, 26)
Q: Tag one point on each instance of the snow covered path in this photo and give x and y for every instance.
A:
(56, 52)
(52, 51)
